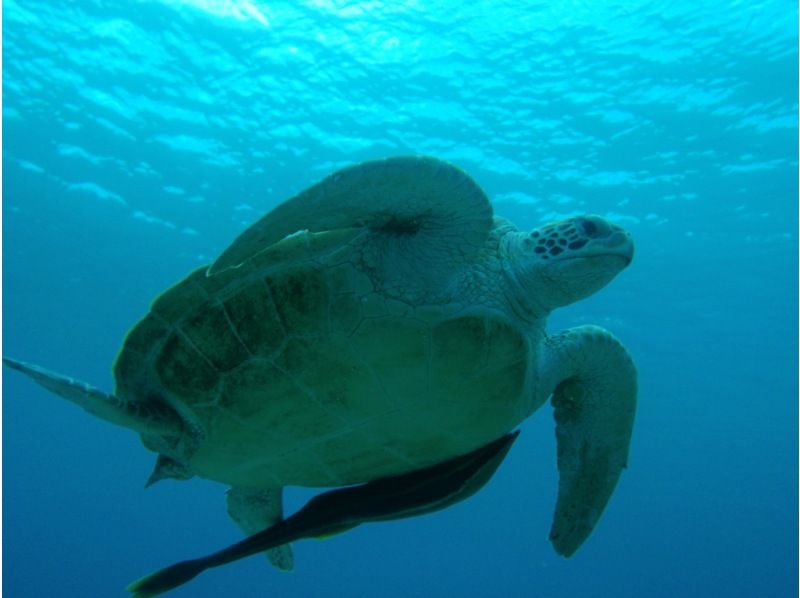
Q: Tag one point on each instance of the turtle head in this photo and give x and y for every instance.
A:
(565, 261)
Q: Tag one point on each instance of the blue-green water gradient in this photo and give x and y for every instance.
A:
(139, 138)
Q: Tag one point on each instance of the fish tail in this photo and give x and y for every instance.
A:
(167, 578)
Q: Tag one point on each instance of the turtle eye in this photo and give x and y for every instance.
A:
(589, 228)
(593, 227)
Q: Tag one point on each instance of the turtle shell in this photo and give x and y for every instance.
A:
(295, 368)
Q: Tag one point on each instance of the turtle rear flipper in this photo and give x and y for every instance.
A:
(143, 417)
(256, 509)
(416, 493)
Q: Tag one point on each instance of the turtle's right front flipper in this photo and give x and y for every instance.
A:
(143, 417)
(595, 405)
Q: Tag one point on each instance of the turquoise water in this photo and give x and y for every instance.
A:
(141, 138)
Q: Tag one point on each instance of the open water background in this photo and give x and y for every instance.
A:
(139, 138)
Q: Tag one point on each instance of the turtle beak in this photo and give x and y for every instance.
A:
(621, 243)
(606, 238)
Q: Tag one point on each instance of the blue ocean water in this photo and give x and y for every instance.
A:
(140, 138)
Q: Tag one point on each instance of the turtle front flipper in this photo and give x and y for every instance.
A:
(426, 216)
(143, 417)
(595, 402)
(256, 509)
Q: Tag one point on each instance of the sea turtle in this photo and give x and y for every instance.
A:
(378, 323)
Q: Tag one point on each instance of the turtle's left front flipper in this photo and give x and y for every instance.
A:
(595, 403)
(143, 417)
